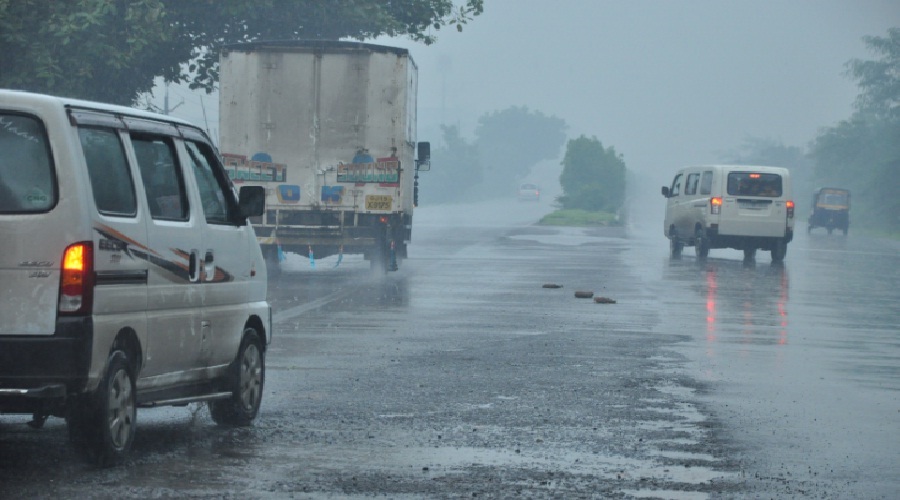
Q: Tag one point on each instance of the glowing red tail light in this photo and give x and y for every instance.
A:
(790, 209)
(715, 205)
(76, 283)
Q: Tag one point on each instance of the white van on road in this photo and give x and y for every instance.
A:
(730, 206)
(129, 274)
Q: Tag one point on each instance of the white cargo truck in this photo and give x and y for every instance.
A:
(329, 129)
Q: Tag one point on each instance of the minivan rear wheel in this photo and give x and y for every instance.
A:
(701, 244)
(103, 425)
(749, 253)
(779, 250)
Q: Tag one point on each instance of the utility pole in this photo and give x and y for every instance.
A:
(166, 109)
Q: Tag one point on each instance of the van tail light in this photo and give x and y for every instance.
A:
(715, 205)
(76, 283)
(790, 209)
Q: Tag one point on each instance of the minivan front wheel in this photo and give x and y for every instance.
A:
(675, 246)
(245, 380)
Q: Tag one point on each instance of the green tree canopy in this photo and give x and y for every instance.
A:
(511, 141)
(111, 50)
(879, 80)
(593, 177)
(862, 153)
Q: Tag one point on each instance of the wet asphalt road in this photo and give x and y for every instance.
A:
(461, 376)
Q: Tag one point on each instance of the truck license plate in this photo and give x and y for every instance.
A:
(378, 202)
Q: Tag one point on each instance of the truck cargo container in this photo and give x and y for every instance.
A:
(329, 129)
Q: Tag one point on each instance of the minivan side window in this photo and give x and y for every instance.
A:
(706, 182)
(108, 170)
(161, 173)
(690, 187)
(27, 183)
(219, 205)
(676, 186)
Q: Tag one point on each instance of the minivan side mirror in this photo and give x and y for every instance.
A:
(665, 191)
(252, 201)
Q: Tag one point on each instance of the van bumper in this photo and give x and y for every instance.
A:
(37, 373)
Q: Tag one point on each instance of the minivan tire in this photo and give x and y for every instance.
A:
(779, 250)
(245, 381)
(701, 244)
(103, 425)
(676, 246)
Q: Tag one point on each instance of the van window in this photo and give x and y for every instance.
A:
(162, 177)
(754, 184)
(108, 170)
(690, 187)
(215, 190)
(26, 170)
(676, 186)
(706, 182)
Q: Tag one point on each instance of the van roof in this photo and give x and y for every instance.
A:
(759, 168)
(8, 95)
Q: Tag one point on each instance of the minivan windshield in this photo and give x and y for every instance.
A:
(26, 172)
(754, 184)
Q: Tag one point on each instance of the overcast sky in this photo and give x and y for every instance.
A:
(667, 83)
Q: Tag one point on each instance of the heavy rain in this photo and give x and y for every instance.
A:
(536, 340)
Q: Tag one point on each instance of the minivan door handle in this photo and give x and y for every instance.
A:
(193, 267)
(209, 267)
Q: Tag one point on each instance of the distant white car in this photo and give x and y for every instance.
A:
(529, 192)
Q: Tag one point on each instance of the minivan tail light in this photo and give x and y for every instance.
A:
(715, 205)
(76, 283)
(790, 208)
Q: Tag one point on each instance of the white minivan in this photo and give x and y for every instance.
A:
(730, 206)
(129, 274)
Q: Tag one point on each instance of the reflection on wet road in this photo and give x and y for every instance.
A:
(804, 357)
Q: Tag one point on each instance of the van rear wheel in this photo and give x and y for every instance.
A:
(103, 425)
(779, 250)
(701, 244)
(749, 254)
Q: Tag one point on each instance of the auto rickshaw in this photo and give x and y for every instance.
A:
(831, 210)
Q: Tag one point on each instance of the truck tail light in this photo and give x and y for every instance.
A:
(790, 209)
(715, 205)
(76, 284)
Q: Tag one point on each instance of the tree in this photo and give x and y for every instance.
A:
(111, 50)
(458, 169)
(862, 153)
(593, 177)
(879, 80)
(510, 142)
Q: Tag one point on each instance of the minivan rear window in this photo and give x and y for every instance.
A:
(27, 181)
(754, 184)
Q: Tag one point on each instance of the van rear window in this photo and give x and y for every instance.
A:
(26, 171)
(754, 184)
